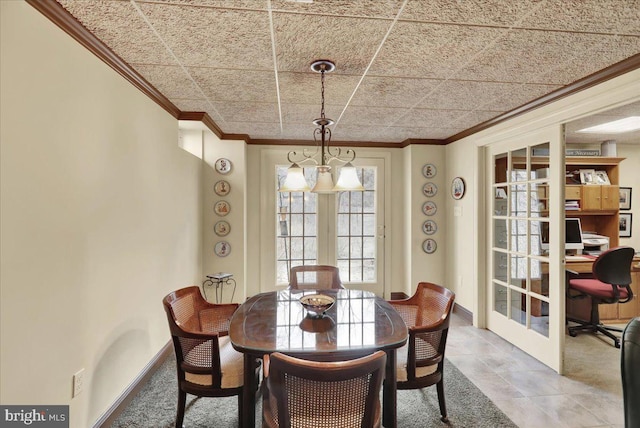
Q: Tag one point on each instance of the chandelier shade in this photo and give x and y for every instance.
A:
(323, 155)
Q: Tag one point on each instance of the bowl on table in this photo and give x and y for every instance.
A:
(317, 304)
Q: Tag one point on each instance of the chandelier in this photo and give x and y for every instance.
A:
(347, 180)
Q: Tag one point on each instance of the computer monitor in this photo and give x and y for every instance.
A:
(573, 234)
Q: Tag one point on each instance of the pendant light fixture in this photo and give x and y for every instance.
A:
(348, 179)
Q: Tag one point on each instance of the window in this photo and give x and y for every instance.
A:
(353, 217)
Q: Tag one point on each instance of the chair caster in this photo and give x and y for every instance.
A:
(617, 344)
(444, 419)
(572, 333)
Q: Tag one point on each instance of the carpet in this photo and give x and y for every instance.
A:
(155, 405)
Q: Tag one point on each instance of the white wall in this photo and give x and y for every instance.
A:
(100, 218)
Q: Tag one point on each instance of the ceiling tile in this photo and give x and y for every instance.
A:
(368, 8)
(225, 38)
(254, 129)
(372, 116)
(602, 16)
(248, 111)
(431, 51)
(517, 95)
(479, 12)
(236, 85)
(222, 4)
(472, 118)
(119, 25)
(429, 118)
(392, 92)
(349, 42)
(306, 88)
(172, 81)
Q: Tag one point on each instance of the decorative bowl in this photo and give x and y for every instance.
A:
(317, 304)
(314, 324)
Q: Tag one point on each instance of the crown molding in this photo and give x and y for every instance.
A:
(70, 25)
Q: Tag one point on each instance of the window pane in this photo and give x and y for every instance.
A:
(539, 200)
(343, 248)
(369, 270)
(369, 247)
(369, 202)
(356, 224)
(519, 200)
(356, 247)
(518, 306)
(500, 266)
(500, 233)
(296, 224)
(500, 201)
(355, 274)
(500, 299)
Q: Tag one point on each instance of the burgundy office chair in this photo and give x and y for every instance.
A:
(611, 283)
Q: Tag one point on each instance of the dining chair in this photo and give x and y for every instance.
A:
(316, 277)
(611, 283)
(420, 362)
(207, 365)
(341, 394)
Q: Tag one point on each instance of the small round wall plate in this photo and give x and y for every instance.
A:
(222, 249)
(223, 165)
(222, 188)
(429, 227)
(429, 246)
(457, 188)
(430, 189)
(429, 208)
(222, 228)
(222, 208)
(429, 170)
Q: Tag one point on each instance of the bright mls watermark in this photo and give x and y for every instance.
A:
(34, 416)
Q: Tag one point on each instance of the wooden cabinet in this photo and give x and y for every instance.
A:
(596, 205)
(600, 198)
(623, 312)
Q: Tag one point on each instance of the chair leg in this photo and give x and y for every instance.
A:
(182, 399)
(441, 403)
(240, 410)
(594, 325)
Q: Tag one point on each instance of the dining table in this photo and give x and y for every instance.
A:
(358, 324)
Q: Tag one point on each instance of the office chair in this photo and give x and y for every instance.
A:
(611, 283)
(630, 361)
(420, 362)
(340, 394)
(314, 277)
(207, 364)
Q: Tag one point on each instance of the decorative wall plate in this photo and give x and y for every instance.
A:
(222, 208)
(223, 165)
(429, 227)
(222, 188)
(222, 228)
(429, 246)
(429, 170)
(430, 189)
(429, 208)
(457, 188)
(222, 249)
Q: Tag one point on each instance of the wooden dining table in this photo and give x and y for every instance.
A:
(359, 323)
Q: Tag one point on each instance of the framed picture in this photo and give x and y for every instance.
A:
(222, 249)
(602, 177)
(457, 188)
(429, 208)
(588, 176)
(223, 165)
(430, 189)
(222, 208)
(222, 228)
(429, 227)
(429, 170)
(625, 198)
(222, 188)
(625, 225)
(429, 246)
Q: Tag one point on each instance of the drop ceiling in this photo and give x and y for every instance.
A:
(414, 69)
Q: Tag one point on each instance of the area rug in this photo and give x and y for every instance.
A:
(155, 405)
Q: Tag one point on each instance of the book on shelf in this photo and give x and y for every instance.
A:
(572, 205)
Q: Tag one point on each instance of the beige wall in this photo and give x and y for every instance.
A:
(100, 218)
(629, 177)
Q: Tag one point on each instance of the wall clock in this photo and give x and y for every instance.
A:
(457, 188)
(222, 188)
(429, 170)
(223, 165)
(222, 208)
(429, 208)
(430, 189)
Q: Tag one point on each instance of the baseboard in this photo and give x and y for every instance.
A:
(128, 394)
(463, 313)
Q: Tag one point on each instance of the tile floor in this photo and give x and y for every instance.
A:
(533, 395)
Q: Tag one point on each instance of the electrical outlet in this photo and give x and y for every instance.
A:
(78, 383)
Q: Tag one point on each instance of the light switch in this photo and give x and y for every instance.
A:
(457, 211)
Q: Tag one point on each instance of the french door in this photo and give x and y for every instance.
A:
(345, 229)
(525, 287)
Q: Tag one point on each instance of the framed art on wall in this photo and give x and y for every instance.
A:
(457, 188)
(222, 188)
(625, 225)
(625, 198)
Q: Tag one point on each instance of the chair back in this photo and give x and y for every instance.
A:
(318, 277)
(614, 266)
(196, 326)
(343, 394)
(630, 361)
